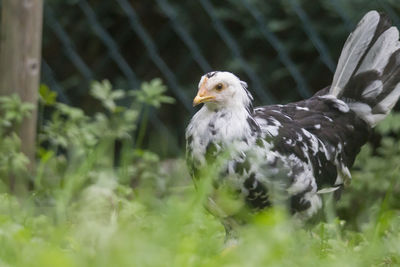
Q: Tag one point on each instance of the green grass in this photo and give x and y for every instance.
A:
(85, 210)
(108, 224)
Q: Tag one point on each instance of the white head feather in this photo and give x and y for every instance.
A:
(233, 94)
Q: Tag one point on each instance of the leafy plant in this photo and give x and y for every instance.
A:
(13, 111)
(12, 161)
(152, 94)
(89, 210)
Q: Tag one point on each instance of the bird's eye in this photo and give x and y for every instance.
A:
(219, 87)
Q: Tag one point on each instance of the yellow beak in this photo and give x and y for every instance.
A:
(202, 96)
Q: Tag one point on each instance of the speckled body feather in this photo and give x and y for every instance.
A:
(304, 149)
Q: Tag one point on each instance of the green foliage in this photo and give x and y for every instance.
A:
(375, 188)
(13, 111)
(46, 96)
(103, 92)
(391, 124)
(89, 209)
(152, 94)
(71, 127)
(73, 140)
(12, 160)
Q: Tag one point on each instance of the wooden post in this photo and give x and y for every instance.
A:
(20, 57)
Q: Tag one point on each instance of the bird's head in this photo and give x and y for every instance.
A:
(220, 89)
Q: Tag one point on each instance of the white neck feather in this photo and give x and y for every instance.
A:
(221, 127)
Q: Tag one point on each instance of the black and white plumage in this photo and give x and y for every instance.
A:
(302, 149)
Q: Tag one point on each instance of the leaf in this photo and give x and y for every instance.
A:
(14, 110)
(47, 96)
(152, 94)
(103, 91)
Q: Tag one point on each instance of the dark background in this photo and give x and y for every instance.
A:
(285, 50)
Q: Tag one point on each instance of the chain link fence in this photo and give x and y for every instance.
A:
(286, 50)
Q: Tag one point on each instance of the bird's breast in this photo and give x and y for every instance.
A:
(217, 131)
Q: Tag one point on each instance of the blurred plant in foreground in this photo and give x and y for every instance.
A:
(94, 205)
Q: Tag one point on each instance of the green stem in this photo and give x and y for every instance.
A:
(143, 127)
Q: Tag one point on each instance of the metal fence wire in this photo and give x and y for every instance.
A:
(285, 50)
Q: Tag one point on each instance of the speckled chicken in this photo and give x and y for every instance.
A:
(297, 151)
